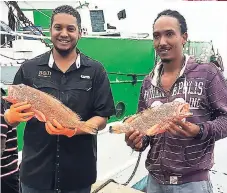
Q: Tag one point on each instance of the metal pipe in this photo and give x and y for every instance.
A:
(126, 81)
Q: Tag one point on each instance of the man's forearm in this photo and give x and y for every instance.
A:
(96, 120)
(216, 128)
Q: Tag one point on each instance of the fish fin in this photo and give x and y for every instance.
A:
(9, 99)
(183, 117)
(130, 119)
(40, 116)
(154, 130)
(163, 128)
(188, 114)
(89, 127)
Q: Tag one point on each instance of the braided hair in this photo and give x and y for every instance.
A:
(67, 9)
(177, 15)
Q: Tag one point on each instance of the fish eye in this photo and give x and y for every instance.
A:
(20, 86)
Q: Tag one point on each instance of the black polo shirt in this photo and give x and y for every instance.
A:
(58, 162)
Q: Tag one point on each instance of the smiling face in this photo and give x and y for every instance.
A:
(65, 33)
(168, 39)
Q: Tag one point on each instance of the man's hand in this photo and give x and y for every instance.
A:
(134, 139)
(57, 129)
(15, 114)
(178, 127)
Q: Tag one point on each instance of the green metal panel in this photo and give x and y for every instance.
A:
(20, 135)
(41, 17)
(42, 20)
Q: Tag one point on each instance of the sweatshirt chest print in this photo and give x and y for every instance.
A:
(194, 92)
(152, 93)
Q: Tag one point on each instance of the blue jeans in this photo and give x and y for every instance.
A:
(26, 189)
(192, 187)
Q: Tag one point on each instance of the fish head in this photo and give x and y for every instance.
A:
(16, 93)
(183, 110)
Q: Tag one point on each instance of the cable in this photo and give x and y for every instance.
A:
(12, 58)
(124, 184)
(37, 10)
(25, 20)
(215, 171)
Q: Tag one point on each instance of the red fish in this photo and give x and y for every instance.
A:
(47, 108)
(154, 120)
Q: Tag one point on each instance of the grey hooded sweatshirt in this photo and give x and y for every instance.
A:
(177, 159)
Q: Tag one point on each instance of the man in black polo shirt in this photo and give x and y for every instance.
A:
(57, 159)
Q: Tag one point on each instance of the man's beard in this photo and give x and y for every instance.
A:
(65, 53)
(166, 61)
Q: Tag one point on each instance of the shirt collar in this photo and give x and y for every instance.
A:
(48, 59)
(51, 61)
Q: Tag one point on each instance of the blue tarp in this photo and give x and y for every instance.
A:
(141, 185)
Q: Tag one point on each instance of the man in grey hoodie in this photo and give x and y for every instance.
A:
(179, 159)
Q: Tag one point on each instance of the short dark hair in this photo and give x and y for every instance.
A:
(68, 10)
(177, 15)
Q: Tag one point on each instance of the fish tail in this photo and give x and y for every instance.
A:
(89, 128)
(118, 128)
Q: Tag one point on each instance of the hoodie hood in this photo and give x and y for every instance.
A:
(190, 64)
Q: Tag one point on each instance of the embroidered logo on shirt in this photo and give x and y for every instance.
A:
(46, 74)
(173, 179)
(85, 77)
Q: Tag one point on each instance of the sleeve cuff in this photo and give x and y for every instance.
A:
(145, 143)
(104, 113)
(204, 131)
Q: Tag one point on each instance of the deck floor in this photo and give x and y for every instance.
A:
(113, 188)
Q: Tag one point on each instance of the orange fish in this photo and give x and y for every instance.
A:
(47, 108)
(154, 120)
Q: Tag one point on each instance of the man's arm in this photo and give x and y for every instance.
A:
(103, 103)
(217, 98)
(96, 120)
(99, 121)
